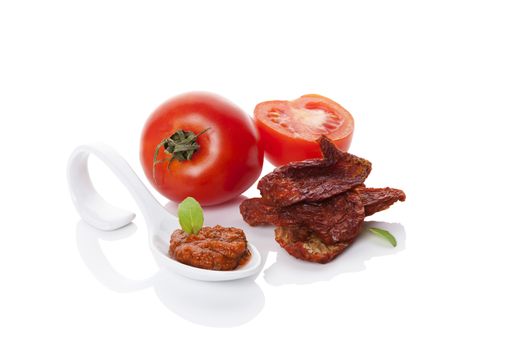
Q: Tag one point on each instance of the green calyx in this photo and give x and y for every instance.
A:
(180, 146)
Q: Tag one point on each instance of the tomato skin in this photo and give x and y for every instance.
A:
(228, 161)
(282, 147)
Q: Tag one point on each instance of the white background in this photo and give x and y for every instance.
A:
(437, 91)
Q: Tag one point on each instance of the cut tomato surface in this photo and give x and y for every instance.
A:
(289, 129)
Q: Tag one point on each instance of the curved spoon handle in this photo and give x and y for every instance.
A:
(92, 207)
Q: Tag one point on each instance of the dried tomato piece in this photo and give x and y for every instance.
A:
(256, 212)
(378, 199)
(318, 205)
(314, 179)
(301, 243)
(336, 219)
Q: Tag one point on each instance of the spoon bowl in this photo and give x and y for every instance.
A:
(97, 212)
(159, 247)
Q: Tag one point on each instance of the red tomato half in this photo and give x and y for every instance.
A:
(289, 129)
(217, 165)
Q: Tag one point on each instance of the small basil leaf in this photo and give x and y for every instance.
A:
(384, 234)
(190, 214)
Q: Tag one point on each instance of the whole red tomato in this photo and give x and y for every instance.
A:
(289, 129)
(200, 145)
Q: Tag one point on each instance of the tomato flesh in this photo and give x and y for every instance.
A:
(289, 129)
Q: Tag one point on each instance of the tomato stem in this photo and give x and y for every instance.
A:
(180, 146)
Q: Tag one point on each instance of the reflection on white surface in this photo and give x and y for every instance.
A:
(214, 304)
(224, 304)
(88, 242)
(232, 303)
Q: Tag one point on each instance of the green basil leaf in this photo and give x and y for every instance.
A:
(384, 234)
(190, 214)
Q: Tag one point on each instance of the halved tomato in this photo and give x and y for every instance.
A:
(289, 129)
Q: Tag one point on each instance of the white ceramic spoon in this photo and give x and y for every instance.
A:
(102, 215)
